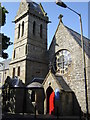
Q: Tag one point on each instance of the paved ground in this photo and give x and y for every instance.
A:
(39, 117)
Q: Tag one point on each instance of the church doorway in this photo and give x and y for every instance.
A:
(50, 98)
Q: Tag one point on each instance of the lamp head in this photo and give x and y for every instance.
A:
(60, 3)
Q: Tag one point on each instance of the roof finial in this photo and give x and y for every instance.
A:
(60, 17)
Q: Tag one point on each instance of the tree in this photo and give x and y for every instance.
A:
(5, 40)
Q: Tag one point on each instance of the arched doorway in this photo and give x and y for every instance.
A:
(50, 97)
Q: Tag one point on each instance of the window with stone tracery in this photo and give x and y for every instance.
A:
(62, 61)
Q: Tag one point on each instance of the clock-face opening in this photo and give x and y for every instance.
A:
(62, 61)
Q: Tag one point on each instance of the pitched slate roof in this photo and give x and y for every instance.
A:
(35, 85)
(60, 81)
(63, 83)
(36, 7)
(77, 37)
(39, 80)
(30, 5)
(13, 82)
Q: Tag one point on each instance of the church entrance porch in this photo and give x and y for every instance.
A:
(50, 101)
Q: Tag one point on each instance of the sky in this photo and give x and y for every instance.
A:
(70, 19)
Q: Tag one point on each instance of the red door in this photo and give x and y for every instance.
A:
(51, 103)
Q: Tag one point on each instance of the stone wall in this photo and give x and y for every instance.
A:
(64, 105)
(22, 65)
(3, 75)
(20, 50)
(20, 43)
(63, 39)
(30, 49)
(35, 69)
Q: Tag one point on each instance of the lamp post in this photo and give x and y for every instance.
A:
(62, 4)
(3, 71)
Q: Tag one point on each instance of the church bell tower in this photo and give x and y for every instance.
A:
(29, 58)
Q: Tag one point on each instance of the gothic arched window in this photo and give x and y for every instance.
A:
(14, 54)
(22, 28)
(18, 72)
(34, 26)
(26, 49)
(13, 74)
(19, 31)
(41, 30)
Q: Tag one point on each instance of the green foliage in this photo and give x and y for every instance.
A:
(5, 40)
(3, 12)
(5, 44)
(4, 55)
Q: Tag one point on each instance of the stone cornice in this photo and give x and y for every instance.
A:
(28, 58)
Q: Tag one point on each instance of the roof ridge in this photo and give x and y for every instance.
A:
(68, 31)
(76, 32)
(42, 9)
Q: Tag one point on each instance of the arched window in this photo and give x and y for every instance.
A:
(18, 72)
(34, 25)
(13, 74)
(22, 28)
(62, 62)
(33, 96)
(26, 49)
(14, 54)
(41, 30)
(19, 31)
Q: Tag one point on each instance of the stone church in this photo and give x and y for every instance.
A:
(56, 75)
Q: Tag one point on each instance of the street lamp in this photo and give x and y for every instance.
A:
(62, 4)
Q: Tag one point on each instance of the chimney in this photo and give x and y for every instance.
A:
(60, 17)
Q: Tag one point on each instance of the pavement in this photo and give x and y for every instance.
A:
(39, 117)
